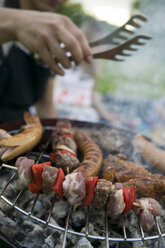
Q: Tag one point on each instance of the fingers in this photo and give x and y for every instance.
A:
(59, 53)
(77, 43)
(50, 61)
(63, 31)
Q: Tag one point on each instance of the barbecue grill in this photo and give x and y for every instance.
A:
(40, 153)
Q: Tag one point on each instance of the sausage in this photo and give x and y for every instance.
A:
(92, 155)
(150, 153)
(24, 141)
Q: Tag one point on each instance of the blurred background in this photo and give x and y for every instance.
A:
(142, 74)
(129, 94)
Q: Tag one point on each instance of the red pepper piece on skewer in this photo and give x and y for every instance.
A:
(129, 195)
(57, 187)
(67, 135)
(90, 190)
(37, 170)
(53, 154)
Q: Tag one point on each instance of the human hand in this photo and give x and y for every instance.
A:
(43, 33)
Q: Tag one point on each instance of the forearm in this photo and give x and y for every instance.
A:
(8, 24)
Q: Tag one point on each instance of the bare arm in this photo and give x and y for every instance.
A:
(42, 33)
(7, 30)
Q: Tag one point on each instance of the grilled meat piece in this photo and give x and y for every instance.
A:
(108, 173)
(63, 136)
(49, 175)
(65, 160)
(116, 203)
(102, 191)
(149, 208)
(125, 170)
(74, 188)
(64, 147)
(152, 186)
(24, 166)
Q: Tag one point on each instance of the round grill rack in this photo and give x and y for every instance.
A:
(107, 238)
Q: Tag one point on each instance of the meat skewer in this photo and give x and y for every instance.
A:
(75, 184)
(64, 147)
(119, 200)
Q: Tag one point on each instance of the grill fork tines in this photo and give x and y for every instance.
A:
(127, 29)
(122, 49)
(107, 238)
(122, 38)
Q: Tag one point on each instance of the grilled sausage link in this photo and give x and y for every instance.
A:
(23, 141)
(150, 153)
(92, 155)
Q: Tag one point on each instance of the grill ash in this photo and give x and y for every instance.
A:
(22, 230)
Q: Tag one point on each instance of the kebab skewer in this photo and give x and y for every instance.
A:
(64, 147)
(118, 200)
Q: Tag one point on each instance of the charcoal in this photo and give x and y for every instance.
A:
(83, 243)
(23, 231)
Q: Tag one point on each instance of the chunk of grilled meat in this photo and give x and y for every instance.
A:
(108, 173)
(49, 175)
(64, 147)
(102, 191)
(65, 160)
(153, 187)
(63, 136)
(124, 169)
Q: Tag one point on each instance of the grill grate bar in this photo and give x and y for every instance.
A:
(18, 196)
(51, 210)
(8, 182)
(79, 233)
(124, 228)
(157, 226)
(66, 227)
(106, 230)
(34, 203)
(142, 232)
(44, 147)
(87, 222)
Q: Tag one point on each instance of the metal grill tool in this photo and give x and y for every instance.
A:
(123, 40)
(47, 222)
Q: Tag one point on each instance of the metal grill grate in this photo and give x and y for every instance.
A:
(107, 238)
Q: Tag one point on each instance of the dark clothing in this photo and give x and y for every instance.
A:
(22, 83)
(22, 80)
(12, 3)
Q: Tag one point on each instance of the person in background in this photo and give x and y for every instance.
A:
(29, 27)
